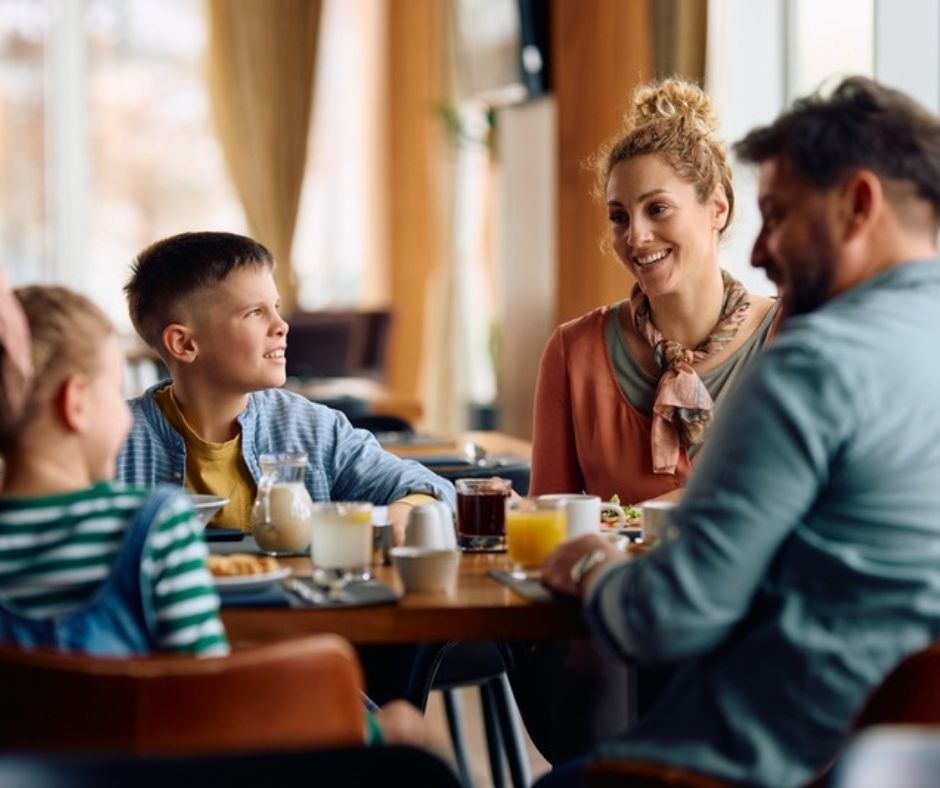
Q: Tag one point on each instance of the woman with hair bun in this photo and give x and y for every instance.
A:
(626, 392)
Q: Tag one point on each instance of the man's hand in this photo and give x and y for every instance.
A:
(556, 571)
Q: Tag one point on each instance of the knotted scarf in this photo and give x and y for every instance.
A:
(16, 365)
(683, 407)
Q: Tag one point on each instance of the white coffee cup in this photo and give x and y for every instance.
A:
(656, 519)
(431, 525)
(583, 512)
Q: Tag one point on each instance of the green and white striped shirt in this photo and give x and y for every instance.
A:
(55, 551)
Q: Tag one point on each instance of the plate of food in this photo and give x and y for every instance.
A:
(242, 571)
(631, 514)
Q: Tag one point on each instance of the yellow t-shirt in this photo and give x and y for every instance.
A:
(214, 468)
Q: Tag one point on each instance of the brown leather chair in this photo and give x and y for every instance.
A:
(286, 695)
(910, 694)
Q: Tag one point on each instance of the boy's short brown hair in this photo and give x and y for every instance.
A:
(169, 272)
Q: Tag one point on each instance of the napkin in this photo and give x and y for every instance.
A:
(272, 595)
(356, 594)
(529, 587)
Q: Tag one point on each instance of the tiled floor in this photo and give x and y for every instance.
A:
(475, 738)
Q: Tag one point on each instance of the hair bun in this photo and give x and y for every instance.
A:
(676, 101)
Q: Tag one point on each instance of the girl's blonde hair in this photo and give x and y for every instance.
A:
(675, 119)
(66, 332)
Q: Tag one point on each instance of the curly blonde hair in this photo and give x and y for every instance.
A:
(675, 119)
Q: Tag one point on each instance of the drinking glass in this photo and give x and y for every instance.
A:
(342, 543)
(481, 519)
(532, 533)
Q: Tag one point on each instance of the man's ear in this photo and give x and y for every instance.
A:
(862, 203)
(72, 403)
(180, 343)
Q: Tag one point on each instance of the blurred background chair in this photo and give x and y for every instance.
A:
(346, 766)
(338, 344)
(380, 424)
(291, 694)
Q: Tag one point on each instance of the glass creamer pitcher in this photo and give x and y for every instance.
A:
(282, 514)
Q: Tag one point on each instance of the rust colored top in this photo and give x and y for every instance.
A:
(587, 436)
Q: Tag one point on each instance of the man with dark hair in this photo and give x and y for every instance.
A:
(804, 561)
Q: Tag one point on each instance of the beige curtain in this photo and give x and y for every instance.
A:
(679, 35)
(261, 57)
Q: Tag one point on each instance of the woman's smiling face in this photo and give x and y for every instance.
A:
(660, 229)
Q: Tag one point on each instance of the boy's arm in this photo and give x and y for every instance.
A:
(364, 471)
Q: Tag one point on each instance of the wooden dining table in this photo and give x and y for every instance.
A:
(479, 608)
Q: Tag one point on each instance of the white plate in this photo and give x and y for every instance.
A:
(243, 582)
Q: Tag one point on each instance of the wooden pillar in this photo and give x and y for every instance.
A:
(600, 50)
(413, 132)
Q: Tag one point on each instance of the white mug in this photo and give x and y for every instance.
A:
(431, 525)
(583, 512)
(655, 519)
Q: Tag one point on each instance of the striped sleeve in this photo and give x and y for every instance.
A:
(185, 600)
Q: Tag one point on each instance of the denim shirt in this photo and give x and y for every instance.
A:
(805, 557)
(119, 620)
(344, 464)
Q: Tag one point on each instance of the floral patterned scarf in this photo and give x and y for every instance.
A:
(683, 407)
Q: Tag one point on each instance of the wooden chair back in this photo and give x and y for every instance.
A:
(291, 694)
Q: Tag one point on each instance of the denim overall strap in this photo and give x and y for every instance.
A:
(128, 579)
(122, 619)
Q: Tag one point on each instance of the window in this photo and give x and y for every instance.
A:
(108, 142)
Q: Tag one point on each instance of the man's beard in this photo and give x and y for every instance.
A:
(809, 282)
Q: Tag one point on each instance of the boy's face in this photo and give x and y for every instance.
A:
(240, 337)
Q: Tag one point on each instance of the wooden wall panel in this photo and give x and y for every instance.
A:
(600, 50)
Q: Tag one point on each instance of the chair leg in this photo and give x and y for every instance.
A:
(511, 732)
(494, 747)
(455, 724)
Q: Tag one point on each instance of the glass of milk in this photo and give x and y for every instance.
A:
(342, 542)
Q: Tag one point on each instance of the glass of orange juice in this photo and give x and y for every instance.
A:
(531, 534)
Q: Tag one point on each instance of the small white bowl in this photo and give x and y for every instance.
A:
(206, 506)
(425, 569)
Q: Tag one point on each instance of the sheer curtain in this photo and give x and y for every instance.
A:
(261, 66)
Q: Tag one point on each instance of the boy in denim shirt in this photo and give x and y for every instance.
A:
(207, 303)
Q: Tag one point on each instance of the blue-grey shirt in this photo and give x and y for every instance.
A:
(344, 464)
(805, 560)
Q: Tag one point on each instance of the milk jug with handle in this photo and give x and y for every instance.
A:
(282, 514)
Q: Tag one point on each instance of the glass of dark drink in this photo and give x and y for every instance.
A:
(481, 514)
